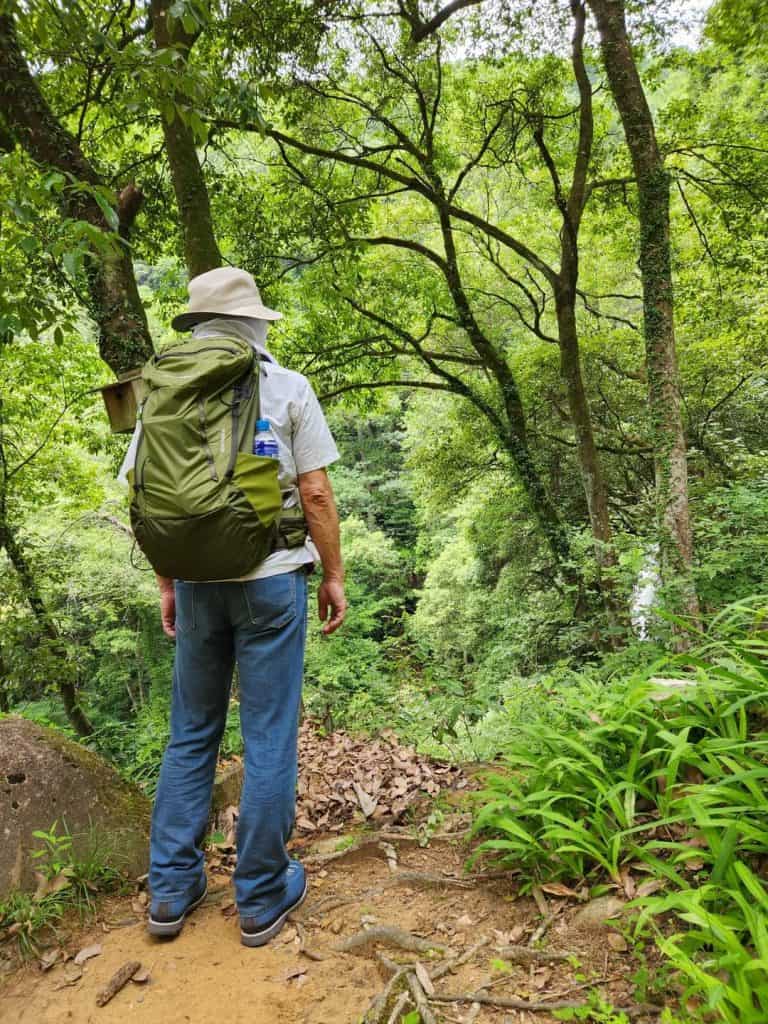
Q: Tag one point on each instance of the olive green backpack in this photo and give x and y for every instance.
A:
(203, 507)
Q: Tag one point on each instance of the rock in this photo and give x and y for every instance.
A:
(598, 912)
(227, 787)
(47, 778)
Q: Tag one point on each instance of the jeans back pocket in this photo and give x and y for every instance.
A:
(271, 602)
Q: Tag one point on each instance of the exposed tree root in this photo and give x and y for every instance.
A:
(397, 1010)
(390, 936)
(450, 965)
(420, 998)
(377, 1009)
(525, 955)
(641, 1010)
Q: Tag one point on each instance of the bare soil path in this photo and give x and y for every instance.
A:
(389, 886)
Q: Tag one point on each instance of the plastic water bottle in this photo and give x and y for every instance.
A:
(265, 443)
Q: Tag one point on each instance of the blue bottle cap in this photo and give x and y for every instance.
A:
(262, 424)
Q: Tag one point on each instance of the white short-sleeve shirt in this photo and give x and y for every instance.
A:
(304, 440)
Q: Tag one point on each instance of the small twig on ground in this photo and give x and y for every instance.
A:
(327, 904)
(118, 980)
(525, 955)
(540, 900)
(428, 879)
(390, 936)
(311, 954)
(450, 965)
(543, 927)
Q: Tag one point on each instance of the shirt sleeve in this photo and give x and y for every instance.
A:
(130, 457)
(313, 443)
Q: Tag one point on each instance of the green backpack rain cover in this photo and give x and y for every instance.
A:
(203, 507)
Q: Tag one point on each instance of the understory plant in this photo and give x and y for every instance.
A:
(665, 773)
(68, 879)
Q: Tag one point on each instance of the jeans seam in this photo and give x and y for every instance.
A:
(291, 612)
(192, 605)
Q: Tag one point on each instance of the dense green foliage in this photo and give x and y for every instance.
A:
(402, 203)
(663, 777)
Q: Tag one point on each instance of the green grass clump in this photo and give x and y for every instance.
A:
(673, 779)
(66, 881)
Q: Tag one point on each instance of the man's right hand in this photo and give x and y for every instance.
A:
(331, 604)
(167, 606)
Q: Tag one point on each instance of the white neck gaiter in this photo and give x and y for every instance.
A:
(246, 327)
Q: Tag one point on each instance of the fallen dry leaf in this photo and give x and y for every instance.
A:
(557, 889)
(47, 886)
(71, 974)
(650, 887)
(627, 883)
(47, 960)
(511, 937)
(87, 952)
(366, 801)
(291, 973)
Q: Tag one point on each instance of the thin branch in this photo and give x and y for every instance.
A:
(421, 29)
(431, 385)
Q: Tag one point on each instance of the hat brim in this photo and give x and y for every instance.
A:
(186, 321)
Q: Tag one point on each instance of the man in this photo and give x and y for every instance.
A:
(258, 622)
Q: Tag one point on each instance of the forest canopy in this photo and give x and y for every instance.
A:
(520, 254)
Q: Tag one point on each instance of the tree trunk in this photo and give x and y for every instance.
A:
(77, 717)
(124, 339)
(592, 478)
(671, 469)
(515, 437)
(200, 246)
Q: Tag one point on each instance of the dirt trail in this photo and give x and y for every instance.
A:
(206, 974)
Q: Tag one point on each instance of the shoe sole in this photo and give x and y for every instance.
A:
(170, 928)
(262, 938)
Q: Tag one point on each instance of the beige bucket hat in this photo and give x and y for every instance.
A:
(225, 291)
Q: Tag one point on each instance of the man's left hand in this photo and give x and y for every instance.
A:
(167, 606)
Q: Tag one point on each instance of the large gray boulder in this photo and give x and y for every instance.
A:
(45, 777)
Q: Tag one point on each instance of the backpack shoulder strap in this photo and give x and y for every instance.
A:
(246, 410)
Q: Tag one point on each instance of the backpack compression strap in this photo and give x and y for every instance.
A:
(247, 390)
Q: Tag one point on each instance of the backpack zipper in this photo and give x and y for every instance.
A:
(204, 435)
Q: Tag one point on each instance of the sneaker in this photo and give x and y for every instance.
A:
(166, 917)
(260, 925)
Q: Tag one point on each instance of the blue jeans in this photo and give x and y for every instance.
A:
(261, 624)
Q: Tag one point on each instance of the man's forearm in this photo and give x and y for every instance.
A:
(164, 582)
(323, 521)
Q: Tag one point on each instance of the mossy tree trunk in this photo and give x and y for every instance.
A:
(200, 247)
(124, 338)
(671, 469)
(565, 286)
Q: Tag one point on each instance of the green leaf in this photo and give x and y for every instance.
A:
(110, 213)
